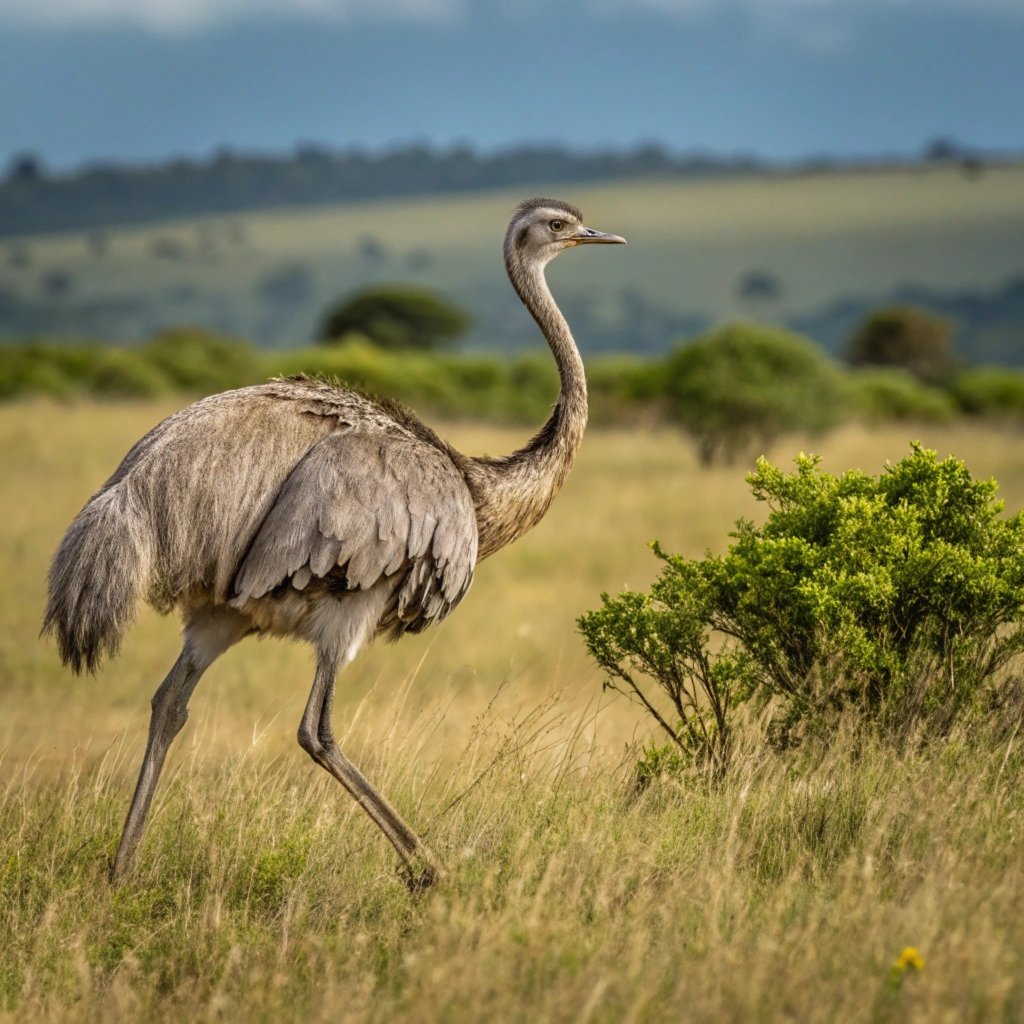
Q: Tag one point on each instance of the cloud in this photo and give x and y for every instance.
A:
(823, 27)
(769, 8)
(185, 16)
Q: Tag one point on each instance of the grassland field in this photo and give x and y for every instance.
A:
(823, 235)
(262, 893)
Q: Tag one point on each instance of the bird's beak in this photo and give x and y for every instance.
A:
(588, 236)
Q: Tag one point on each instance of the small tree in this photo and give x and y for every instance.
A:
(906, 337)
(396, 317)
(896, 597)
(742, 386)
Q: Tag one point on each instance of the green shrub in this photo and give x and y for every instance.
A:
(25, 369)
(907, 337)
(416, 378)
(201, 362)
(396, 317)
(742, 386)
(63, 371)
(992, 392)
(884, 395)
(898, 598)
(625, 387)
(659, 760)
(479, 386)
(735, 389)
(126, 373)
(533, 373)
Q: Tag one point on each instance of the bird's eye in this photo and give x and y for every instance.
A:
(557, 225)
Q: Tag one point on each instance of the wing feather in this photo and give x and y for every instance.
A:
(323, 554)
(370, 504)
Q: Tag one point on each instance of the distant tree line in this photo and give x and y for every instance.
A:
(32, 200)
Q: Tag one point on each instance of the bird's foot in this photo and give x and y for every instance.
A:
(421, 871)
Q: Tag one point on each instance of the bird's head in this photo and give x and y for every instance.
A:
(541, 228)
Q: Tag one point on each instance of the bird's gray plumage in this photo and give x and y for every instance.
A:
(209, 505)
(362, 504)
(307, 509)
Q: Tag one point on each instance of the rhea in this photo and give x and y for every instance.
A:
(303, 509)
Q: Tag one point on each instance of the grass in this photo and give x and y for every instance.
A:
(787, 894)
(261, 891)
(690, 242)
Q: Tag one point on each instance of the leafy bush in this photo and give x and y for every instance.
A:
(479, 386)
(624, 388)
(198, 362)
(898, 597)
(201, 362)
(884, 395)
(64, 371)
(125, 373)
(907, 337)
(396, 317)
(742, 386)
(26, 369)
(991, 392)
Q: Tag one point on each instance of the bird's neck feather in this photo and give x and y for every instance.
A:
(512, 493)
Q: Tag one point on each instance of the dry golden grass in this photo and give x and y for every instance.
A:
(262, 893)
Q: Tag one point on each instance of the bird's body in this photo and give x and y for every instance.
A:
(305, 509)
(190, 545)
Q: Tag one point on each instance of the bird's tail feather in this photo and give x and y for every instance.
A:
(97, 573)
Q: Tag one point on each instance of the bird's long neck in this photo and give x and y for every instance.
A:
(512, 493)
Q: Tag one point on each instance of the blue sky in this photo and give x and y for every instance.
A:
(141, 80)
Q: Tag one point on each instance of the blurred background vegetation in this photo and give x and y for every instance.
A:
(734, 390)
(755, 300)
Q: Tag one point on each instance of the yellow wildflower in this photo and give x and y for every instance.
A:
(909, 957)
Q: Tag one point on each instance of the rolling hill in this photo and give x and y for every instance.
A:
(807, 249)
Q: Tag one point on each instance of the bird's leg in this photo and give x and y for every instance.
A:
(170, 710)
(316, 736)
(208, 633)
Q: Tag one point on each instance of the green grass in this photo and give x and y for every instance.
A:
(824, 236)
(261, 892)
(786, 894)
